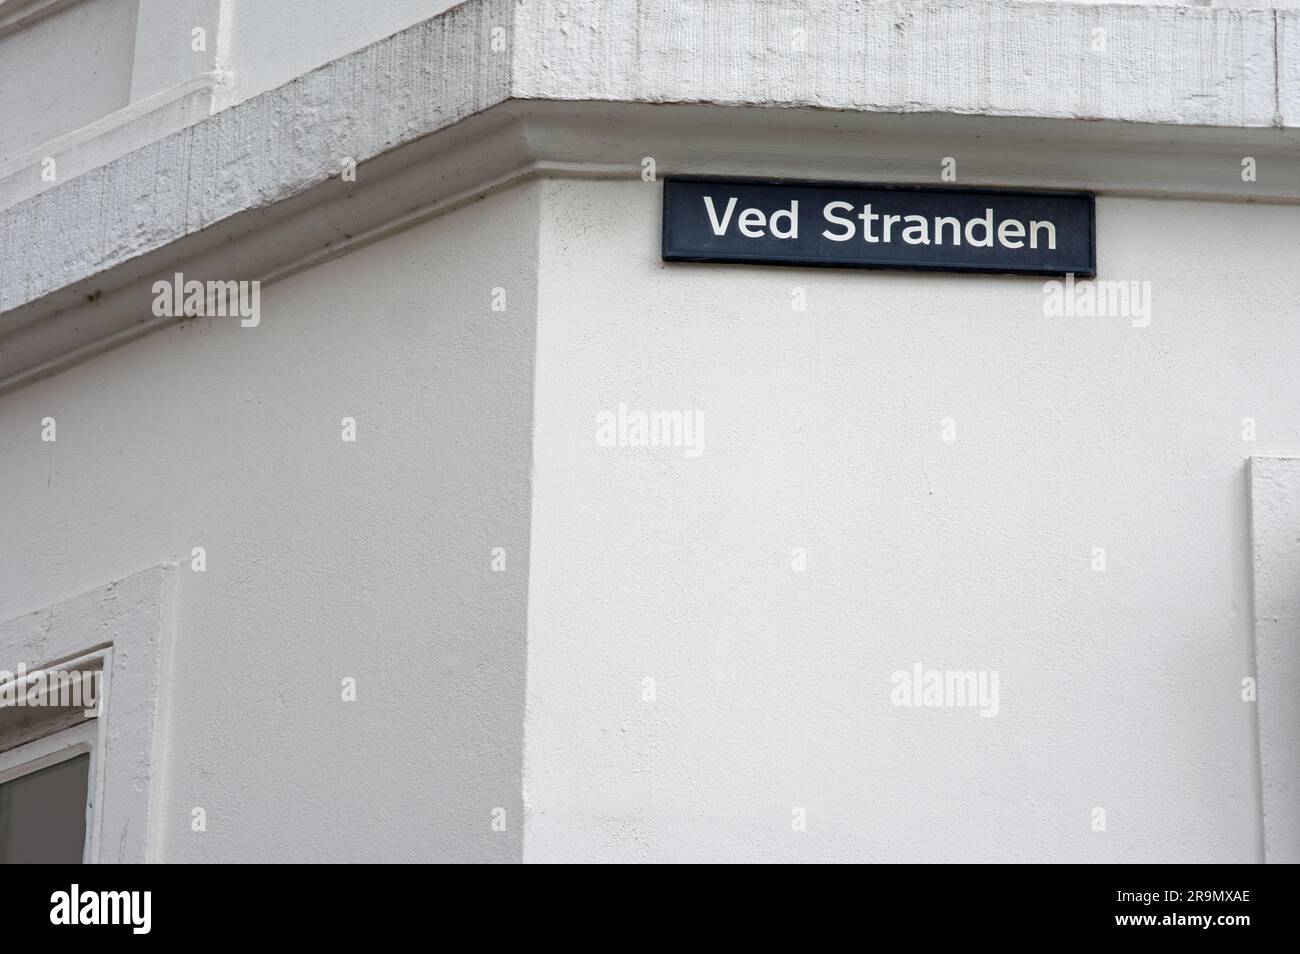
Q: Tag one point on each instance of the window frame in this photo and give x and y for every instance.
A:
(126, 628)
(62, 745)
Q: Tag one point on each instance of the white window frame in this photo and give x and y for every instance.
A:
(125, 627)
(60, 746)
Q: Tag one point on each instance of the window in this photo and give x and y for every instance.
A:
(77, 769)
(43, 813)
(49, 745)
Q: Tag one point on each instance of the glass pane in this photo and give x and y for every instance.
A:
(43, 815)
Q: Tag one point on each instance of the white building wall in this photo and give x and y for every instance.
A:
(275, 41)
(64, 71)
(83, 82)
(325, 559)
(1118, 689)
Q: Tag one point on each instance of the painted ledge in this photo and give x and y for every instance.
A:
(1176, 69)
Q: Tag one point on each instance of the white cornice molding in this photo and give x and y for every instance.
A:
(436, 114)
(1175, 65)
(20, 14)
(108, 137)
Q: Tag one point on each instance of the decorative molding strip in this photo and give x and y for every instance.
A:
(268, 149)
(1171, 65)
(1274, 516)
(516, 140)
(19, 14)
(109, 137)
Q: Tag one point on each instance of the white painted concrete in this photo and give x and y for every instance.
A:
(276, 41)
(89, 63)
(518, 140)
(108, 78)
(324, 559)
(112, 76)
(65, 70)
(1155, 63)
(1162, 67)
(1275, 516)
(130, 623)
(1120, 689)
(295, 137)
(167, 50)
(525, 690)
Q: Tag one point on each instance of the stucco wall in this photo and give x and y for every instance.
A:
(1119, 690)
(822, 430)
(274, 42)
(64, 71)
(325, 559)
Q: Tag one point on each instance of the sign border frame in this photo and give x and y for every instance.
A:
(791, 261)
